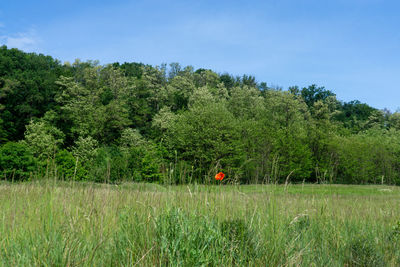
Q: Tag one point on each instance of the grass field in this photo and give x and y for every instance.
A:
(75, 224)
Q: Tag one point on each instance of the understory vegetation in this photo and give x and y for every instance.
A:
(56, 223)
(177, 125)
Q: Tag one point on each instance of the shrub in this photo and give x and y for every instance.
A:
(68, 167)
(16, 161)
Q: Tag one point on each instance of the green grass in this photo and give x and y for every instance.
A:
(81, 224)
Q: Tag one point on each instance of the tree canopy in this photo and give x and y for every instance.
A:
(175, 124)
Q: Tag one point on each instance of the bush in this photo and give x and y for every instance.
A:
(16, 161)
(68, 168)
(108, 165)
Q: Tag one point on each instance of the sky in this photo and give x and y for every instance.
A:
(350, 47)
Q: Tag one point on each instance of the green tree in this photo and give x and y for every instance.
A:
(354, 115)
(43, 139)
(16, 161)
(394, 121)
(69, 167)
(244, 101)
(97, 106)
(27, 88)
(206, 136)
(312, 94)
(287, 117)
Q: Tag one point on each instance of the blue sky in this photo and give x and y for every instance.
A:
(350, 47)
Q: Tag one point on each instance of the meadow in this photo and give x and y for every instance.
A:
(53, 223)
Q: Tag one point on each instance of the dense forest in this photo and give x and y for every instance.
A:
(175, 124)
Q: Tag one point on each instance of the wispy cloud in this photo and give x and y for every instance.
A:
(27, 41)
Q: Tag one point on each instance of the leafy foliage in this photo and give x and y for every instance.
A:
(174, 124)
(16, 161)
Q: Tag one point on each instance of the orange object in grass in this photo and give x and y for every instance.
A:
(219, 176)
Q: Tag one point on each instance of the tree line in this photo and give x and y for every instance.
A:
(175, 124)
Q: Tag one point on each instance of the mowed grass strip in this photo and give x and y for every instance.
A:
(75, 224)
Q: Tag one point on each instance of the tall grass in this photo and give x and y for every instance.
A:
(53, 223)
